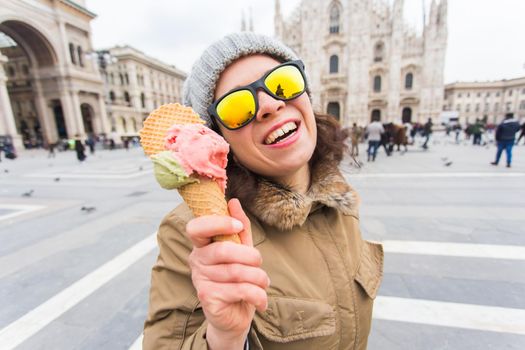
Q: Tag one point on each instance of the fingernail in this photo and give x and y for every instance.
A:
(237, 225)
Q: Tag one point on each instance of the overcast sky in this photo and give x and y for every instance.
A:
(486, 37)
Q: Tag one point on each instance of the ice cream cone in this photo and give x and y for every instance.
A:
(152, 135)
(206, 198)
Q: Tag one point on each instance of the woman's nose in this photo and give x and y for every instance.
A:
(267, 105)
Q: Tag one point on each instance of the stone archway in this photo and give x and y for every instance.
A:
(27, 57)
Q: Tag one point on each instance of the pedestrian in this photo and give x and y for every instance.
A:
(310, 276)
(427, 131)
(505, 136)
(90, 142)
(125, 140)
(374, 131)
(79, 149)
(477, 130)
(522, 133)
(51, 148)
(355, 136)
(457, 130)
(408, 132)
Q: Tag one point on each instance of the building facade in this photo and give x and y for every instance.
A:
(489, 101)
(135, 84)
(47, 79)
(364, 62)
(54, 85)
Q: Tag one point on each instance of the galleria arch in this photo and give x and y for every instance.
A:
(50, 88)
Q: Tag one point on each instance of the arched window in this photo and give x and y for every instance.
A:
(376, 115)
(379, 51)
(80, 54)
(72, 53)
(335, 16)
(407, 115)
(127, 79)
(334, 109)
(10, 71)
(409, 81)
(112, 96)
(126, 97)
(334, 64)
(143, 99)
(377, 83)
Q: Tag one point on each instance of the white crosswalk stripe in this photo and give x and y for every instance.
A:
(440, 313)
(430, 312)
(27, 325)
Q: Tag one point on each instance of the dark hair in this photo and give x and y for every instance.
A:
(330, 147)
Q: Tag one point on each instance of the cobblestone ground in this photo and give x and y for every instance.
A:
(77, 244)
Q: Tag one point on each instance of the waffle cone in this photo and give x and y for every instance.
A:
(206, 198)
(156, 125)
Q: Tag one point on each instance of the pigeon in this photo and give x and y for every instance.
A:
(6, 171)
(448, 163)
(140, 168)
(444, 159)
(57, 179)
(28, 193)
(88, 209)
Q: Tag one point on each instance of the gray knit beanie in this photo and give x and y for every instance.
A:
(199, 88)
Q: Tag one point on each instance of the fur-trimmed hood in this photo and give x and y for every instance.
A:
(280, 206)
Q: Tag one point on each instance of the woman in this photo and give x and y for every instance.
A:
(303, 277)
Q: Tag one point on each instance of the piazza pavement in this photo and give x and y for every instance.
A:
(77, 243)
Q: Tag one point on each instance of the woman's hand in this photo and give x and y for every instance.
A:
(228, 276)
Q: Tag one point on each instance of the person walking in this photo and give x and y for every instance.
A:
(79, 149)
(90, 142)
(374, 131)
(51, 148)
(477, 130)
(427, 131)
(302, 278)
(355, 137)
(505, 136)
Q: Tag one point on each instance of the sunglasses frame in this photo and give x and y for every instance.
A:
(253, 87)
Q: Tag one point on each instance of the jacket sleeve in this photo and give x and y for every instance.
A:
(175, 319)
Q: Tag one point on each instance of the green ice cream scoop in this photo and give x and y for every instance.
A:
(168, 172)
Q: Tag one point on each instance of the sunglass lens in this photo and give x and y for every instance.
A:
(285, 82)
(236, 108)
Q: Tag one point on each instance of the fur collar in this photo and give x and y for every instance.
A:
(281, 207)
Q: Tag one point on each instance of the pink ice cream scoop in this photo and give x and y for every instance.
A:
(199, 150)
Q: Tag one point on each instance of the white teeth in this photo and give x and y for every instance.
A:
(280, 132)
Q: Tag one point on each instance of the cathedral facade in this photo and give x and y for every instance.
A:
(364, 62)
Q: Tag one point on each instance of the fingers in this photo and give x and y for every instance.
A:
(236, 273)
(214, 294)
(235, 209)
(225, 253)
(200, 230)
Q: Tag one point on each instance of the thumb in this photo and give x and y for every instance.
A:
(235, 209)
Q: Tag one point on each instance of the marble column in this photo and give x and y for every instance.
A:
(68, 111)
(45, 114)
(77, 113)
(104, 121)
(7, 119)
